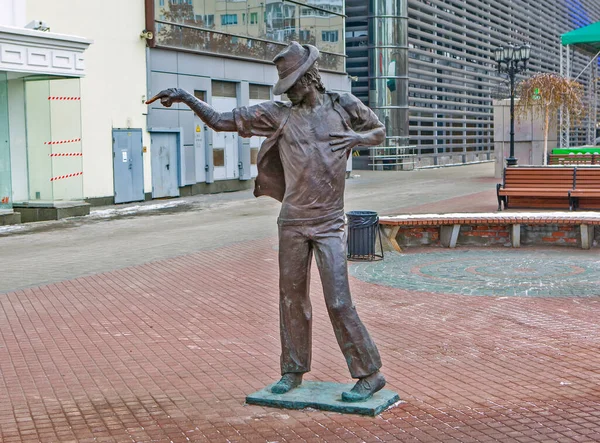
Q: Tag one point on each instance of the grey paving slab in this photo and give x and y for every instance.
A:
(489, 272)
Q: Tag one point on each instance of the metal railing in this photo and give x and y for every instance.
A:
(392, 158)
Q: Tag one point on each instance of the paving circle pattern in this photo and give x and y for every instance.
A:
(517, 273)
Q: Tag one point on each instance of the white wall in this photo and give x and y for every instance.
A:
(12, 13)
(529, 137)
(113, 91)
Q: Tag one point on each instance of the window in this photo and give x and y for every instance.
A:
(253, 18)
(229, 19)
(304, 35)
(223, 89)
(207, 21)
(330, 36)
(260, 92)
(161, 3)
(218, 157)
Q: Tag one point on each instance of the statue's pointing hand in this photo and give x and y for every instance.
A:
(168, 97)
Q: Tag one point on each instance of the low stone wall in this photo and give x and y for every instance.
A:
(418, 236)
(556, 229)
(559, 235)
(495, 235)
(484, 235)
(35, 211)
(9, 217)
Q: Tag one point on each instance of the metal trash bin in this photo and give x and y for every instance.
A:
(363, 230)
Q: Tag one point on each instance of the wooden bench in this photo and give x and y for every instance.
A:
(574, 159)
(536, 187)
(586, 189)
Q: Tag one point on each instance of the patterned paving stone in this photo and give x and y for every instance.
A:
(168, 351)
(519, 273)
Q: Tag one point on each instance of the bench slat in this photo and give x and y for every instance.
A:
(526, 192)
(585, 193)
(530, 174)
(539, 183)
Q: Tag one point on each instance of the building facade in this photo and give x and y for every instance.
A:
(70, 86)
(112, 92)
(222, 52)
(452, 77)
(39, 70)
(74, 126)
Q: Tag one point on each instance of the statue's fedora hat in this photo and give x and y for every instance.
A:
(292, 63)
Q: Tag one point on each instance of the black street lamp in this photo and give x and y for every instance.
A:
(512, 60)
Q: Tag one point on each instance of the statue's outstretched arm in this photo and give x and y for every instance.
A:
(218, 121)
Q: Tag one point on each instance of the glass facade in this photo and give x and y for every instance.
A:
(253, 29)
(5, 176)
(452, 76)
(388, 67)
(53, 126)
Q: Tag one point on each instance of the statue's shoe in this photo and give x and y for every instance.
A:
(288, 382)
(365, 388)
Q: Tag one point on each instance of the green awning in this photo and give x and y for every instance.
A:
(586, 38)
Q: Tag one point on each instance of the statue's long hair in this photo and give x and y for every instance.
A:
(313, 76)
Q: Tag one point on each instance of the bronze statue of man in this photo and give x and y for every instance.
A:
(302, 163)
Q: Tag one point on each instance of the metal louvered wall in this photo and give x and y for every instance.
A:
(452, 77)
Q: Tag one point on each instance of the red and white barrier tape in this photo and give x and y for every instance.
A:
(60, 177)
(67, 154)
(62, 142)
(53, 97)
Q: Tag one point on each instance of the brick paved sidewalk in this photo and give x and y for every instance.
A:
(167, 351)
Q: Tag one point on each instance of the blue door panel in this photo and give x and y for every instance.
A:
(128, 165)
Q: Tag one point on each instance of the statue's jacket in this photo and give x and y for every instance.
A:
(268, 119)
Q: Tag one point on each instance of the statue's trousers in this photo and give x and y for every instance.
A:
(327, 240)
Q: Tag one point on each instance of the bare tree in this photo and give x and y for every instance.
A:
(545, 94)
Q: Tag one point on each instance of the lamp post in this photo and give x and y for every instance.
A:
(512, 60)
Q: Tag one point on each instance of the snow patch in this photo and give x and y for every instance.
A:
(579, 215)
(11, 228)
(113, 212)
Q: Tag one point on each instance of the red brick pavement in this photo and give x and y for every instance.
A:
(167, 351)
(484, 201)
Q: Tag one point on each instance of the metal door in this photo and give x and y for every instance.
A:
(165, 162)
(225, 155)
(225, 144)
(128, 165)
